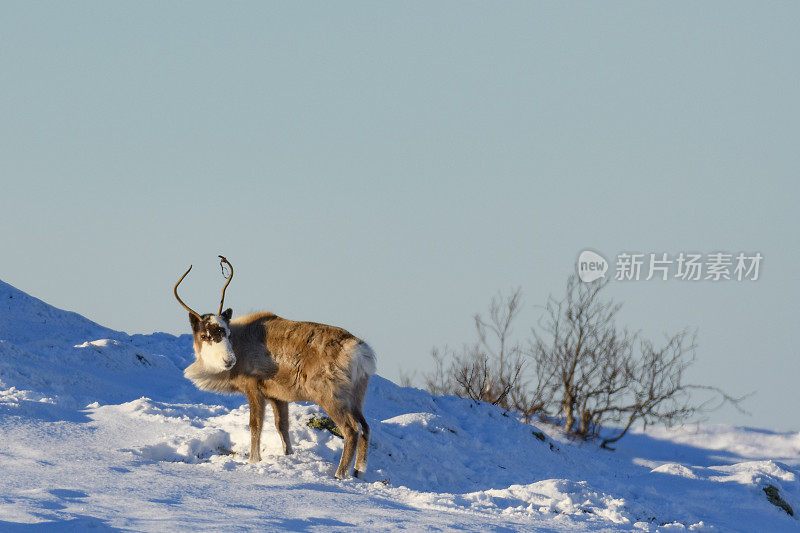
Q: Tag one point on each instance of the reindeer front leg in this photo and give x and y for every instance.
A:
(256, 400)
(281, 410)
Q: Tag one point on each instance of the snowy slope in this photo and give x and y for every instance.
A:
(100, 429)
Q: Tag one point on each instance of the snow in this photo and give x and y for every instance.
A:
(101, 430)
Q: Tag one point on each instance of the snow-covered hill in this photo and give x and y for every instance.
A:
(99, 429)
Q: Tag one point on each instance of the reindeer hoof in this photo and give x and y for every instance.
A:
(341, 475)
(254, 460)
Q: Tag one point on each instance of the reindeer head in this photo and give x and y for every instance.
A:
(212, 343)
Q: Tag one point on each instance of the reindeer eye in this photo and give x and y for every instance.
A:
(204, 336)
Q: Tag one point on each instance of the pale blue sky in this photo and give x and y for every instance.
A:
(388, 167)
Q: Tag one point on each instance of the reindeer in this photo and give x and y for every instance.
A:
(269, 358)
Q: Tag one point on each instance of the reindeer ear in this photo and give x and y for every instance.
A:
(194, 321)
(227, 314)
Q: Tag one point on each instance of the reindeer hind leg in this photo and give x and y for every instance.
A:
(363, 447)
(349, 428)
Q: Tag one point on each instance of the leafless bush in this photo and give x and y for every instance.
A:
(598, 375)
(578, 366)
(490, 369)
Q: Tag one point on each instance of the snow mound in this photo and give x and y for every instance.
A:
(189, 450)
(675, 469)
(28, 320)
(100, 429)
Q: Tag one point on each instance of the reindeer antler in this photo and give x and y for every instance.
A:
(192, 311)
(222, 263)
